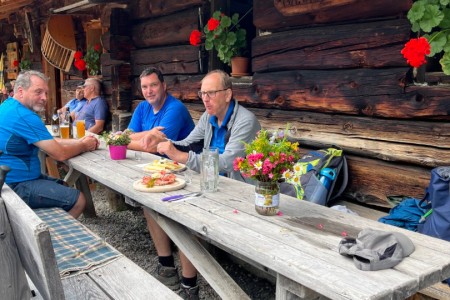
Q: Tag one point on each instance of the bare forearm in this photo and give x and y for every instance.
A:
(137, 145)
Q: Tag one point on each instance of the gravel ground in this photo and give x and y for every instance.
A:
(127, 232)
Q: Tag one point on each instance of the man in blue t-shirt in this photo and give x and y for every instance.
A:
(23, 135)
(75, 105)
(161, 116)
(95, 112)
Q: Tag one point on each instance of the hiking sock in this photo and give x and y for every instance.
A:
(167, 261)
(191, 281)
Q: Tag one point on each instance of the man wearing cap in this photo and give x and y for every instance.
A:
(95, 112)
(75, 105)
(161, 116)
(23, 135)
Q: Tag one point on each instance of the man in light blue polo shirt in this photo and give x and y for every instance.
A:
(75, 105)
(161, 116)
(95, 112)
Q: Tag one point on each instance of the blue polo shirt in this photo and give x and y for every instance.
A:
(173, 116)
(96, 109)
(75, 105)
(219, 133)
(20, 128)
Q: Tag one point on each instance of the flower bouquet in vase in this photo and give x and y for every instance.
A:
(269, 160)
(117, 143)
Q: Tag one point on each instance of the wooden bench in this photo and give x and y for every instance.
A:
(26, 248)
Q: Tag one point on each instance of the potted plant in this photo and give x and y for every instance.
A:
(90, 61)
(269, 159)
(431, 20)
(223, 34)
(117, 143)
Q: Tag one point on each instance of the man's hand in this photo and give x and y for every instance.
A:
(90, 143)
(168, 149)
(152, 138)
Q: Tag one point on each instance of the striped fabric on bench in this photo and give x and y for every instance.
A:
(77, 249)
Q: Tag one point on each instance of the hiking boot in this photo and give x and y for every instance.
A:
(168, 276)
(188, 292)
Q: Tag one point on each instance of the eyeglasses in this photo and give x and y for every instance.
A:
(211, 94)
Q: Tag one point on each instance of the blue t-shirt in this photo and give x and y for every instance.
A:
(96, 109)
(20, 127)
(219, 133)
(173, 116)
(75, 105)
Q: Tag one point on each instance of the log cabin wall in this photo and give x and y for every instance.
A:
(336, 74)
(333, 72)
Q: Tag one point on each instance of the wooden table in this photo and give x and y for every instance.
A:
(301, 246)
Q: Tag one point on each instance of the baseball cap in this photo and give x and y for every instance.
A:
(376, 250)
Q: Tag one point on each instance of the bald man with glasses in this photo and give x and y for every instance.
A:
(226, 125)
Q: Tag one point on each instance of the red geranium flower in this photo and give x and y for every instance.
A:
(78, 55)
(80, 64)
(195, 38)
(15, 63)
(213, 24)
(97, 47)
(415, 51)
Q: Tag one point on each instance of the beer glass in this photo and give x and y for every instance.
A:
(64, 125)
(81, 129)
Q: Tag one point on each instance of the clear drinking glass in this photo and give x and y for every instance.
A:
(209, 170)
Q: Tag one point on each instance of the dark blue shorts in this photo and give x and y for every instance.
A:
(46, 192)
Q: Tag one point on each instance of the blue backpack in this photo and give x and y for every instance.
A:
(437, 199)
(323, 176)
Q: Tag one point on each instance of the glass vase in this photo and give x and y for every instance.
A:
(267, 197)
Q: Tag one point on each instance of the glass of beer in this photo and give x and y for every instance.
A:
(65, 131)
(64, 125)
(81, 130)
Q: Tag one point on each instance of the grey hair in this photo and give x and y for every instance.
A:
(96, 82)
(24, 79)
(224, 78)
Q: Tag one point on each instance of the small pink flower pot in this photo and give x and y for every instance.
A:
(118, 152)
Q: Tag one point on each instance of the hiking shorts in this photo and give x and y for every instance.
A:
(45, 192)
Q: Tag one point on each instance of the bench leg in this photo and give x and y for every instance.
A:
(210, 269)
(289, 290)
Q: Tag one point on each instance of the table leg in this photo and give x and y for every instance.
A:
(219, 280)
(83, 185)
(290, 290)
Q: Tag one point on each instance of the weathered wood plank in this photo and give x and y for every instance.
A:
(369, 92)
(13, 282)
(267, 17)
(34, 245)
(170, 60)
(142, 9)
(371, 181)
(123, 277)
(166, 30)
(371, 44)
(82, 287)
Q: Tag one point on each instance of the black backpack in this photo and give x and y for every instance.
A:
(322, 176)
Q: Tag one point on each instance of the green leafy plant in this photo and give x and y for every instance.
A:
(92, 59)
(431, 20)
(118, 138)
(223, 34)
(25, 64)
